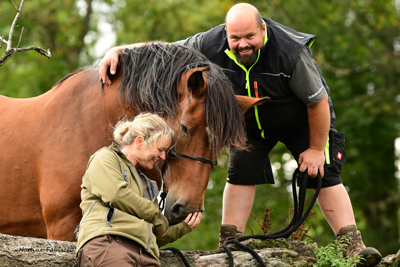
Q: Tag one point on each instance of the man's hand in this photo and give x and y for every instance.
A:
(193, 220)
(109, 60)
(313, 160)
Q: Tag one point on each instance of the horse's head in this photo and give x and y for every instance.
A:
(198, 100)
(204, 128)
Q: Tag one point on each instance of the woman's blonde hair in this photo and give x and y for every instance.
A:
(147, 125)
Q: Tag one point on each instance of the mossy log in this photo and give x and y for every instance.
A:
(17, 251)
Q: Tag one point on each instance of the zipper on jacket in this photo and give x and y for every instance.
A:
(126, 175)
(148, 240)
(79, 225)
(110, 216)
(232, 56)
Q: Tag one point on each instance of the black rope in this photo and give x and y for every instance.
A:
(180, 254)
(295, 223)
(163, 194)
(180, 155)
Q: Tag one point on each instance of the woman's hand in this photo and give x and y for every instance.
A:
(193, 219)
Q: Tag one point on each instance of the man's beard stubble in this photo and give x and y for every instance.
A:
(247, 60)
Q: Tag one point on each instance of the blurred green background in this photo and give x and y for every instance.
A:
(358, 50)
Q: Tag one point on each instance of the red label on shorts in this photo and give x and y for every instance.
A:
(339, 156)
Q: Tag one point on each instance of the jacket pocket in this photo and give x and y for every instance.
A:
(336, 151)
(79, 225)
(150, 233)
(110, 216)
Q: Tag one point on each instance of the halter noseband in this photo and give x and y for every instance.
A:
(173, 153)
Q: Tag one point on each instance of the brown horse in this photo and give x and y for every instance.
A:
(47, 140)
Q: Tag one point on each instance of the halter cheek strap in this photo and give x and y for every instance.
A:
(163, 194)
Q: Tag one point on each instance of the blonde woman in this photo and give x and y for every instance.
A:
(122, 224)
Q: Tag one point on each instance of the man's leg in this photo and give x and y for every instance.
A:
(336, 207)
(237, 203)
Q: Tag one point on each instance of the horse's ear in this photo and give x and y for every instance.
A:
(195, 83)
(246, 102)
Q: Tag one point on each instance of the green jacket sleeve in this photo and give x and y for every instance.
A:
(174, 233)
(104, 179)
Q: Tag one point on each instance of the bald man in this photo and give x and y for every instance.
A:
(264, 58)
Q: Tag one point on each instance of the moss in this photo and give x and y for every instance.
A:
(269, 243)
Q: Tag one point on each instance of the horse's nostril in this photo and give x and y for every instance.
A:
(178, 208)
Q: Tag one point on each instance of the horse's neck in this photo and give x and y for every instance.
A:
(81, 95)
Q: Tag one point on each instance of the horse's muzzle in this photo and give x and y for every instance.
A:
(179, 211)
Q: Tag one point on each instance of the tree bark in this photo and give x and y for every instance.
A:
(17, 251)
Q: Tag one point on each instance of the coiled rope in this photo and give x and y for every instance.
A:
(296, 222)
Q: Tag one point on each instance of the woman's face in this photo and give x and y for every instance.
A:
(149, 154)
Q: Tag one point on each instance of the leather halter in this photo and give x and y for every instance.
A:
(173, 153)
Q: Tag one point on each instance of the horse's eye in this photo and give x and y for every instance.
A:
(184, 129)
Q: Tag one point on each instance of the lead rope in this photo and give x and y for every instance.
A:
(297, 219)
(163, 194)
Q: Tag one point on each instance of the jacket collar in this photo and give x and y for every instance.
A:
(116, 148)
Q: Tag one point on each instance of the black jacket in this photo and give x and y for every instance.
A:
(277, 60)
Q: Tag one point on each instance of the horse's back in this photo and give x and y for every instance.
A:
(45, 148)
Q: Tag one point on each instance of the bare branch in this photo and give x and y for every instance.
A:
(2, 40)
(20, 36)
(13, 24)
(16, 8)
(9, 53)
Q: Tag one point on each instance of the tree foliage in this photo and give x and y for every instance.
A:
(358, 50)
(58, 26)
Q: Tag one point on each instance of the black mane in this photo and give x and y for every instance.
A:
(150, 76)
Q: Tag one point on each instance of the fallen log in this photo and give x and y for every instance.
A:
(17, 251)
(27, 251)
(20, 251)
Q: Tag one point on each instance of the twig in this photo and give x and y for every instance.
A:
(2, 40)
(9, 53)
(13, 24)
(20, 36)
(14, 5)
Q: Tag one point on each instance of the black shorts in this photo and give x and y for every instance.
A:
(254, 167)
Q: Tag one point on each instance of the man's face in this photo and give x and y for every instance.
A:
(245, 38)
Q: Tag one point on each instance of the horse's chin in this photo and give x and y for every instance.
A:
(175, 220)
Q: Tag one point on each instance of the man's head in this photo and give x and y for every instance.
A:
(245, 32)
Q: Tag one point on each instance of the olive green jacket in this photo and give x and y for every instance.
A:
(113, 203)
